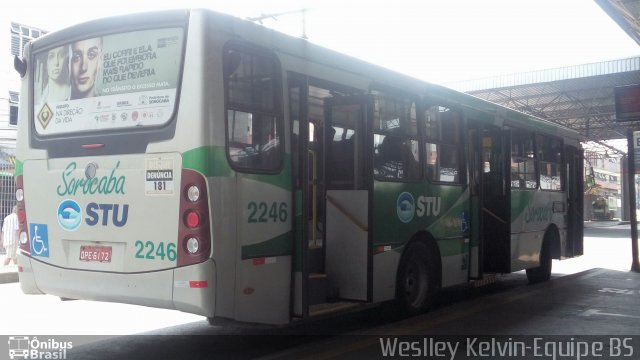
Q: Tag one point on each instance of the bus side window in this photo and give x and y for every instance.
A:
(523, 172)
(396, 149)
(254, 111)
(550, 163)
(443, 130)
(396, 158)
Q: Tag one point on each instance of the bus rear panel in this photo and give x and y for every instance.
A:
(105, 214)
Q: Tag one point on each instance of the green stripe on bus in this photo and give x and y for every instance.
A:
(19, 167)
(209, 160)
(277, 246)
(212, 161)
(520, 201)
(281, 180)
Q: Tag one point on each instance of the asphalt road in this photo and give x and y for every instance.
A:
(508, 307)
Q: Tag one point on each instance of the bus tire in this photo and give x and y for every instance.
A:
(417, 281)
(543, 272)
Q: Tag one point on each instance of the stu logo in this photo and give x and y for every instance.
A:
(95, 212)
(428, 206)
(407, 207)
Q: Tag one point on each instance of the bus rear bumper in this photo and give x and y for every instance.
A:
(194, 288)
(190, 288)
(25, 276)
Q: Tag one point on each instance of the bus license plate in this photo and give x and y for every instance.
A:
(95, 253)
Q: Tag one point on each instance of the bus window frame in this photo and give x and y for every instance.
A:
(112, 141)
(561, 164)
(532, 135)
(278, 105)
(460, 146)
(378, 92)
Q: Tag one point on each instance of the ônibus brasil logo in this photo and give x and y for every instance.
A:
(25, 347)
(405, 207)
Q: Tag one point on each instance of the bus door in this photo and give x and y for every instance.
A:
(475, 172)
(347, 183)
(574, 173)
(495, 204)
(330, 259)
(301, 151)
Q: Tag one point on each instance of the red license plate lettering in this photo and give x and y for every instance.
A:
(95, 253)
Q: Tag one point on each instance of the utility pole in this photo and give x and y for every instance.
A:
(627, 105)
(633, 142)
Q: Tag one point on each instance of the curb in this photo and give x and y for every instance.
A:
(8, 277)
(604, 223)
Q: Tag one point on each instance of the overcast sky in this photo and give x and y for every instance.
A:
(435, 40)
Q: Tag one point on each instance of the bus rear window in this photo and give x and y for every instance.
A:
(108, 82)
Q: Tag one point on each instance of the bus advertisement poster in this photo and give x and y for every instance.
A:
(114, 81)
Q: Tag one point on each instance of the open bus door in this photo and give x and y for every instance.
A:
(495, 200)
(575, 198)
(490, 200)
(331, 196)
(347, 184)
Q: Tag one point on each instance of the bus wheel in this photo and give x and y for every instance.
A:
(417, 280)
(543, 272)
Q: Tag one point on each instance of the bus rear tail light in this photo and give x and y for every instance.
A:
(192, 219)
(193, 245)
(194, 234)
(25, 246)
(193, 193)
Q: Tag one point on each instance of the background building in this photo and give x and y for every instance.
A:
(12, 41)
(602, 186)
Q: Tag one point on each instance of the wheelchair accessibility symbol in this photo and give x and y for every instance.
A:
(39, 234)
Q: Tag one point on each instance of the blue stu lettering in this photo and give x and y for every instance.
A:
(96, 211)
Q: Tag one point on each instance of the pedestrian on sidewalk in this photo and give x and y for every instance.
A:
(10, 236)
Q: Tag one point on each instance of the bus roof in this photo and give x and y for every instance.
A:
(303, 49)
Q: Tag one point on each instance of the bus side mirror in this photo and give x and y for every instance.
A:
(20, 65)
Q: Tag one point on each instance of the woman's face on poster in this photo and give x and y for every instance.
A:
(56, 61)
(85, 59)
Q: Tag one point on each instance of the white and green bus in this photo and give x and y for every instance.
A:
(190, 160)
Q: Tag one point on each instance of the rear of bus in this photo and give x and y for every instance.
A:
(111, 204)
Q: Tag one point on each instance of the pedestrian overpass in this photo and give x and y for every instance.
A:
(580, 97)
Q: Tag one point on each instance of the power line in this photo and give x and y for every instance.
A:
(275, 16)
